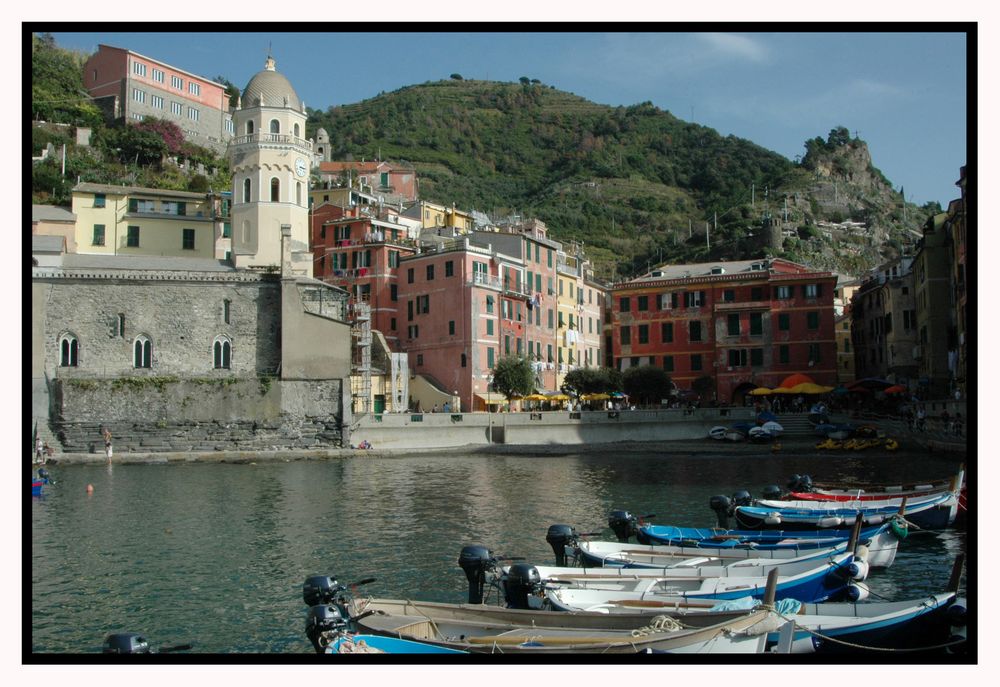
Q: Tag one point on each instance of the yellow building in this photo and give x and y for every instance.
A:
(129, 220)
(579, 301)
(433, 215)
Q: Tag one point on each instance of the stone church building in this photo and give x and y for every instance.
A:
(176, 354)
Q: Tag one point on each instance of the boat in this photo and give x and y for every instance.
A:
(830, 491)
(357, 643)
(759, 435)
(881, 550)
(881, 540)
(929, 513)
(335, 609)
(772, 428)
(808, 581)
(718, 433)
(465, 628)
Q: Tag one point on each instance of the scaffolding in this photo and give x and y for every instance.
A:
(361, 359)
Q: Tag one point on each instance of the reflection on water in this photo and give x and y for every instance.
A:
(216, 554)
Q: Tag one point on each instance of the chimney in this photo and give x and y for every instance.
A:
(286, 251)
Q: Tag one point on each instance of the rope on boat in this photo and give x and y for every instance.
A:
(659, 623)
(853, 645)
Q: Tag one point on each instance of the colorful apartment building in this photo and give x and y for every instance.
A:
(739, 325)
(129, 220)
(842, 295)
(959, 247)
(391, 182)
(579, 327)
(884, 324)
(937, 342)
(361, 254)
(128, 85)
(434, 215)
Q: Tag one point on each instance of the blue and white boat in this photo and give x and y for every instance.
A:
(930, 513)
(353, 643)
(806, 582)
(881, 540)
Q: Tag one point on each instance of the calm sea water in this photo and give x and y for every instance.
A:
(215, 555)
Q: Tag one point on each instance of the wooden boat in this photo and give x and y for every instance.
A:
(356, 643)
(807, 581)
(932, 512)
(827, 491)
(881, 540)
(465, 627)
(880, 552)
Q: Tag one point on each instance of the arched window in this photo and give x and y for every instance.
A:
(298, 193)
(275, 190)
(69, 351)
(249, 127)
(246, 190)
(222, 351)
(275, 127)
(142, 355)
(295, 130)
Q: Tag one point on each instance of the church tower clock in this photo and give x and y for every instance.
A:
(270, 161)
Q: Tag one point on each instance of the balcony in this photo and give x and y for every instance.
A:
(275, 139)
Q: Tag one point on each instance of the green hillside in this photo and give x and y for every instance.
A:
(636, 185)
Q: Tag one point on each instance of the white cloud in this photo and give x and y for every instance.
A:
(729, 44)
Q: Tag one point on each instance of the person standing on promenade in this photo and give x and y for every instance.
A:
(39, 451)
(107, 443)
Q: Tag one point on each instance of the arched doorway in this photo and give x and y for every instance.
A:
(740, 393)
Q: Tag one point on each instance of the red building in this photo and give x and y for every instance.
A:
(392, 181)
(360, 253)
(739, 324)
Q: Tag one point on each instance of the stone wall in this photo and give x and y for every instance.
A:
(181, 314)
(206, 414)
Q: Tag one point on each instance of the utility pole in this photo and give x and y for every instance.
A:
(752, 195)
(690, 230)
(708, 229)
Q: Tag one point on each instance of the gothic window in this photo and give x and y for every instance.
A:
(249, 127)
(275, 127)
(222, 351)
(275, 189)
(69, 351)
(246, 190)
(142, 355)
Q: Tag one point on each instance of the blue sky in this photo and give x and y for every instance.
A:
(904, 93)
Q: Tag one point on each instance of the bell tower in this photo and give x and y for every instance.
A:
(270, 160)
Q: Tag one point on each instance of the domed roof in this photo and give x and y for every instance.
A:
(273, 87)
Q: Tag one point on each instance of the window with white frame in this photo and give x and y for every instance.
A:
(230, 127)
(142, 352)
(139, 68)
(193, 88)
(193, 114)
(176, 108)
(138, 95)
(177, 82)
(157, 75)
(222, 352)
(69, 350)
(156, 101)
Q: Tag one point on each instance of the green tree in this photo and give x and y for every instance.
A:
(646, 383)
(839, 136)
(456, 77)
(232, 90)
(704, 386)
(57, 93)
(587, 380)
(513, 376)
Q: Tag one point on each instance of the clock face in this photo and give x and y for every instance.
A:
(300, 167)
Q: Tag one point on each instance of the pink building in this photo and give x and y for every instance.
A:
(394, 182)
(361, 254)
(128, 85)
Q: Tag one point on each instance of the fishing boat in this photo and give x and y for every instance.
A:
(809, 581)
(881, 540)
(929, 513)
(456, 626)
(836, 491)
(357, 643)
(881, 551)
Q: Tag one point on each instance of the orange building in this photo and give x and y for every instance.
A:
(737, 324)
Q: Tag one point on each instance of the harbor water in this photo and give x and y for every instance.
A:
(215, 554)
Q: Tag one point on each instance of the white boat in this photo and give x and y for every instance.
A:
(718, 432)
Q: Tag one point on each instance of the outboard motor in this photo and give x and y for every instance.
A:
(721, 505)
(772, 492)
(126, 643)
(742, 498)
(793, 483)
(320, 620)
(623, 524)
(521, 581)
(559, 537)
(320, 589)
(475, 560)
